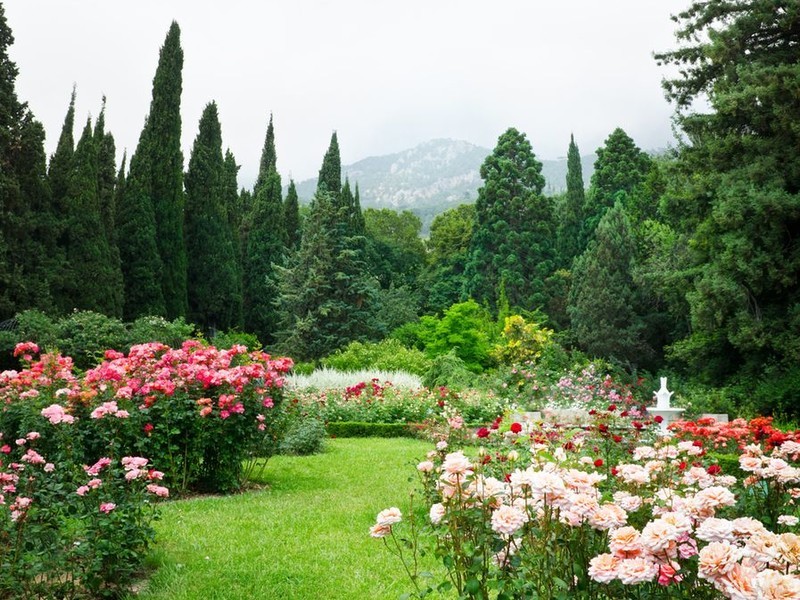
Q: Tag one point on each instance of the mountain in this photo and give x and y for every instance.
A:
(432, 177)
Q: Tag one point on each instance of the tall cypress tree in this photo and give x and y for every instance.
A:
(163, 152)
(330, 174)
(213, 283)
(136, 227)
(265, 247)
(568, 234)
(291, 217)
(106, 193)
(90, 280)
(231, 199)
(513, 242)
(61, 161)
(357, 216)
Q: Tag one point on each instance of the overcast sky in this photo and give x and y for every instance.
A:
(385, 75)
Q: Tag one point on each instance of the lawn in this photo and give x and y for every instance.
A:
(304, 536)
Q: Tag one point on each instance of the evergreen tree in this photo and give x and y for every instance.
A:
(106, 193)
(621, 168)
(214, 287)
(269, 158)
(359, 226)
(61, 161)
(330, 174)
(291, 217)
(513, 241)
(265, 248)
(326, 297)
(163, 152)
(602, 299)
(740, 201)
(570, 223)
(136, 227)
(28, 251)
(90, 278)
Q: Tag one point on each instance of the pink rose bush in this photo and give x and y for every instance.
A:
(85, 458)
(550, 512)
(203, 415)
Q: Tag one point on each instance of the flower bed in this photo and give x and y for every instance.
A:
(84, 458)
(605, 511)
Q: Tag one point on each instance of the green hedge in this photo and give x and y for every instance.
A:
(350, 429)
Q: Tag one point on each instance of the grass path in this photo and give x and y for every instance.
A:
(305, 537)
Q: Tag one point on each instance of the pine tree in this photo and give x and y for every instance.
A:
(568, 234)
(163, 152)
(513, 241)
(214, 287)
(603, 296)
(291, 217)
(90, 278)
(136, 227)
(106, 193)
(330, 174)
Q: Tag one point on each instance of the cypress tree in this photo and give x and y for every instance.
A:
(330, 174)
(232, 202)
(568, 234)
(90, 276)
(163, 152)
(359, 227)
(106, 193)
(265, 247)
(513, 241)
(291, 217)
(136, 226)
(214, 288)
(269, 158)
(61, 161)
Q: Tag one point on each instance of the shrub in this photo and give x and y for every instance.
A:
(331, 379)
(522, 341)
(227, 339)
(387, 355)
(304, 437)
(449, 370)
(85, 336)
(350, 429)
(157, 329)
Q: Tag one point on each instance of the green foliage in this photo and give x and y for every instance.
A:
(569, 232)
(157, 329)
(227, 339)
(513, 241)
(466, 329)
(86, 335)
(602, 300)
(350, 429)
(213, 277)
(450, 371)
(739, 192)
(291, 217)
(330, 174)
(387, 355)
(522, 341)
(395, 251)
(305, 437)
(162, 151)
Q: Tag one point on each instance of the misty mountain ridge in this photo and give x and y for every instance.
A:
(432, 177)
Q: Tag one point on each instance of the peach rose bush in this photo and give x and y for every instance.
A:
(538, 511)
(85, 458)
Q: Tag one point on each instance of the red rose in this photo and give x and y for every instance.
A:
(598, 463)
(714, 470)
(612, 407)
(682, 465)
(482, 432)
(617, 438)
(658, 419)
(516, 428)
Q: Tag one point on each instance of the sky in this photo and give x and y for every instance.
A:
(385, 76)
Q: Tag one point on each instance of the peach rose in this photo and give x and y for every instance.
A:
(717, 559)
(603, 568)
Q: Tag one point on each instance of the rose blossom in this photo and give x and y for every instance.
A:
(437, 513)
(636, 570)
(608, 516)
(625, 542)
(56, 414)
(772, 585)
(603, 568)
(426, 466)
(158, 490)
(389, 516)
(379, 531)
(717, 559)
(107, 507)
(507, 520)
(657, 535)
(789, 548)
(788, 520)
(738, 583)
(456, 463)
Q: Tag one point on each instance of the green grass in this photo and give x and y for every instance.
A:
(305, 536)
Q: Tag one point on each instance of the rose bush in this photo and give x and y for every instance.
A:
(604, 511)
